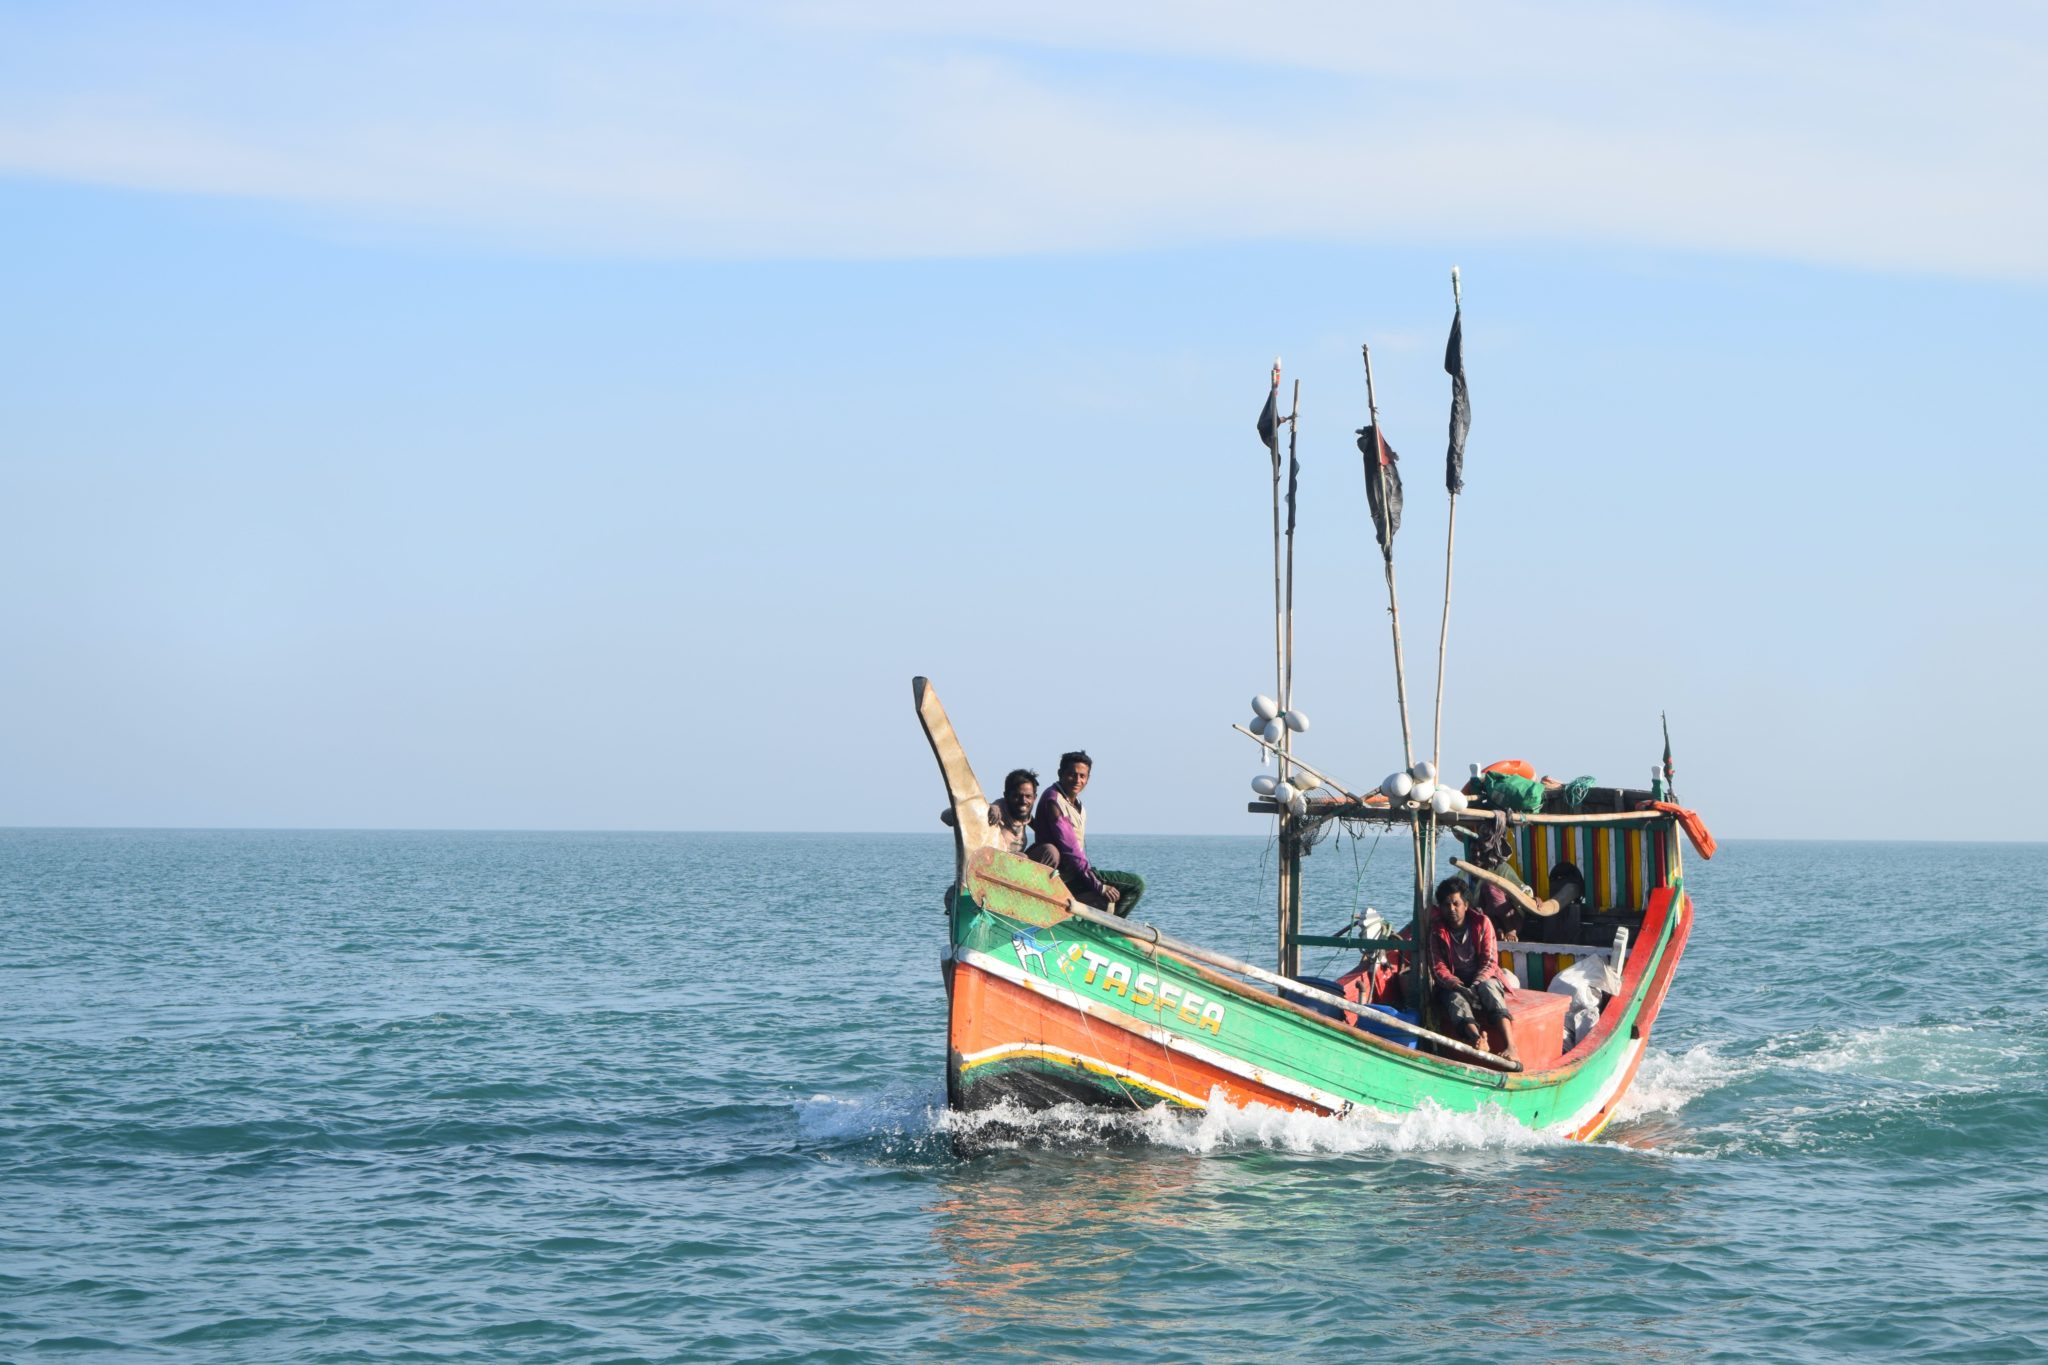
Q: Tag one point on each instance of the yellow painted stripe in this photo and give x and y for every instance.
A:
(1632, 867)
(1597, 875)
(1076, 1062)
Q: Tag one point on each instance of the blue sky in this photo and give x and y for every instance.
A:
(591, 417)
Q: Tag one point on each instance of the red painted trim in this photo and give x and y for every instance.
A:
(1661, 907)
(991, 1012)
(1659, 988)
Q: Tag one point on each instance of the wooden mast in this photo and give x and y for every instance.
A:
(1443, 633)
(1285, 878)
(1378, 471)
(1279, 624)
(1293, 430)
(1290, 840)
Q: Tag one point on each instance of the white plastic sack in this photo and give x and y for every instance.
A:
(1589, 982)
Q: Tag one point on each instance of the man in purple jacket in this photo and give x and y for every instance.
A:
(1063, 823)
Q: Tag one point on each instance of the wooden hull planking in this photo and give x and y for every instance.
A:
(1062, 1011)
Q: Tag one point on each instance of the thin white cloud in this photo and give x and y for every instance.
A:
(1881, 137)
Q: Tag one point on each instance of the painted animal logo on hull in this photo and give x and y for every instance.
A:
(1112, 977)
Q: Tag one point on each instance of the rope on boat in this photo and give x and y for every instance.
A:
(1210, 958)
(1088, 1024)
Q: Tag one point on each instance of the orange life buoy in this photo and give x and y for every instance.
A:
(1515, 767)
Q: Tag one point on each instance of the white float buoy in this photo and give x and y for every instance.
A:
(1264, 707)
(1271, 731)
(1284, 793)
(1264, 783)
(1305, 782)
(1444, 801)
(1423, 771)
(1298, 806)
(1295, 721)
(1397, 786)
(1421, 793)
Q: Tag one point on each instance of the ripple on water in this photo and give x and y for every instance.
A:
(346, 1097)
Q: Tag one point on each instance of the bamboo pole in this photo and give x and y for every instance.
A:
(1145, 934)
(1480, 818)
(1290, 831)
(1582, 817)
(1293, 431)
(1279, 648)
(1316, 773)
(1443, 634)
(1379, 471)
(1284, 953)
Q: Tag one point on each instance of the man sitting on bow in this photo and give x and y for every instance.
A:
(1062, 822)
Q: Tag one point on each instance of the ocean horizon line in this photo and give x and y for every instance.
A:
(652, 831)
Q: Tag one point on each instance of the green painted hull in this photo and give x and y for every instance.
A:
(1049, 1009)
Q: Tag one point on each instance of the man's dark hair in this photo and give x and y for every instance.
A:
(1073, 756)
(1017, 778)
(1445, 887)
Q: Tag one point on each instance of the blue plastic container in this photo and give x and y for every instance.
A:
(1364, 1012)
(1321, 983)
(1382, 1031)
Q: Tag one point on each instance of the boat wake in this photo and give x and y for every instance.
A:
(1430, 1129)
(1903, 1060)
(1944, 1057)
(1828, 1089)
(902, 1119)
(1666, 1083)
(1951, 1057)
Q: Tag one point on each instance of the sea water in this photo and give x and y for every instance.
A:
(410, 1096)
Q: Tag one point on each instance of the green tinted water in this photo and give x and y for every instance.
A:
(336, 1096)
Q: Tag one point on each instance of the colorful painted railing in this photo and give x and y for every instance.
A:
(1536, 965)
(1623, 864)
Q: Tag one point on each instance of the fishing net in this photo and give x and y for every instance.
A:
(1506, 791)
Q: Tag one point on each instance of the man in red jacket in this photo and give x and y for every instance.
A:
(1464, 968)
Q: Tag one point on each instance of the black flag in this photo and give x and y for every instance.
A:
(1670, 787)
(1461, 405)
(1380, 463)
(1269, 422)
(1293, 478)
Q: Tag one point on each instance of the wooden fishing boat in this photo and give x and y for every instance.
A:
(1052, 1002)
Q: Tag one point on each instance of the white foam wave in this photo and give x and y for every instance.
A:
(894, 1114)
(1429, 1129)
(1915, 1058)
(1221, 1127)
(1666, 1083)
(1940, 1056)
